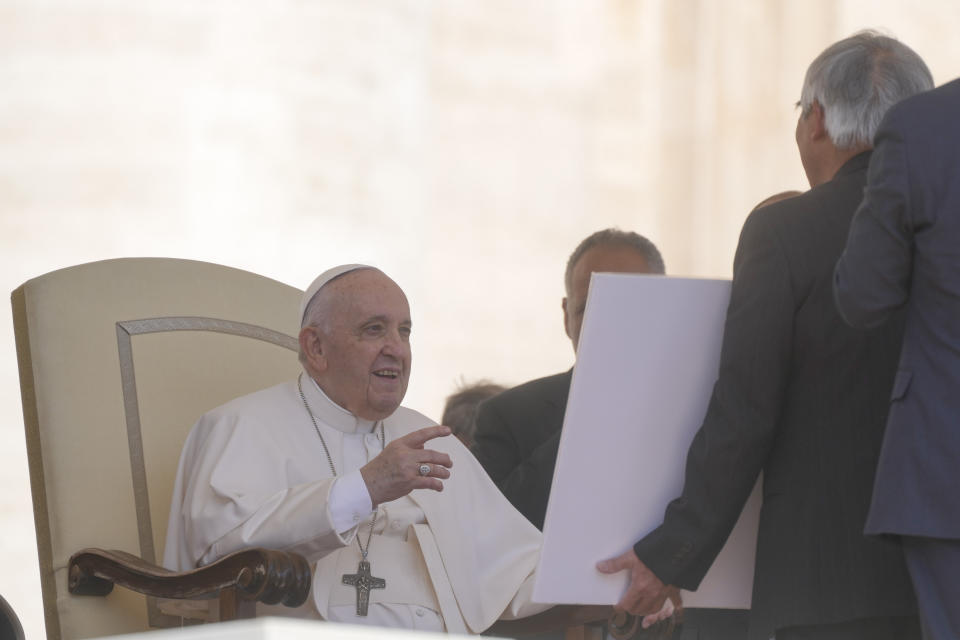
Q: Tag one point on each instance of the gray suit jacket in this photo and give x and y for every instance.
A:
(801, 396)
(904, 249)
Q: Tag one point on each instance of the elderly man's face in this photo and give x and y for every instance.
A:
(611, 259)
(364, 359)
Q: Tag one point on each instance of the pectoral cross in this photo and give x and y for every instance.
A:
(363, 581)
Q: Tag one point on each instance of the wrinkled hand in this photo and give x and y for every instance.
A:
(646, 595)
(396, 471)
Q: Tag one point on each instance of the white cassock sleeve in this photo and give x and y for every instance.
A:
(522, 605)
(486, 549)
(349, 501)
(234, 492)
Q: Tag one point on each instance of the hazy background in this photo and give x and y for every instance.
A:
(463, 147)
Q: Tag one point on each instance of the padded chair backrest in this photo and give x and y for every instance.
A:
(118, 359)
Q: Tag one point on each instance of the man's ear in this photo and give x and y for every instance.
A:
(566, 318)
(311, 345)
(818, 122)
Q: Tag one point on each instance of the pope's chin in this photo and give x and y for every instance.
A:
(384, 395)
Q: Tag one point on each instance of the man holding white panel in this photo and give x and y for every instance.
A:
(800, 395)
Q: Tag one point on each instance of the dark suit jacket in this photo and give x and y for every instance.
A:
(904, 248)
(517, 438)
(799, 395)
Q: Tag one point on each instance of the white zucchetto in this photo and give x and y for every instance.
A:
(321, 281)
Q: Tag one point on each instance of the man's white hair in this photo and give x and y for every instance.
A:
(856, 81)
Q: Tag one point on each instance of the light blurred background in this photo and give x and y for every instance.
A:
(465, 147)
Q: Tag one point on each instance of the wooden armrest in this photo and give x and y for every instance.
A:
(261, 575)
(555, 619)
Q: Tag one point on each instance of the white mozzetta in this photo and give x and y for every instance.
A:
(253, 473)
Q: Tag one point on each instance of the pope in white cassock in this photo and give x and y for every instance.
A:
(402, 524)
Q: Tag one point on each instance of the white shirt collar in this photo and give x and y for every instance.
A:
(330, 413)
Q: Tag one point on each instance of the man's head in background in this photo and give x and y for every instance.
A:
(606, 251)
(460, 412)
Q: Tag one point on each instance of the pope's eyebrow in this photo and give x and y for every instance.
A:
(379, 319)
(383, 319)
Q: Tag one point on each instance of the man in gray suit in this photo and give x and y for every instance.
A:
(904, 249)
(799, 394)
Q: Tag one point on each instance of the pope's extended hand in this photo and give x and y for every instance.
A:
(646, 595)
(396, 471)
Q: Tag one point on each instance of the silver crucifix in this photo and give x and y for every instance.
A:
(363, 581)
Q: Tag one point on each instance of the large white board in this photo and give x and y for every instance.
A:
(646, 363)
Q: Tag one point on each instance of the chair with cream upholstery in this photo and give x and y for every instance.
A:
(117, 361)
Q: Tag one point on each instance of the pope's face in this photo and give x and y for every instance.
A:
(365, 345)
